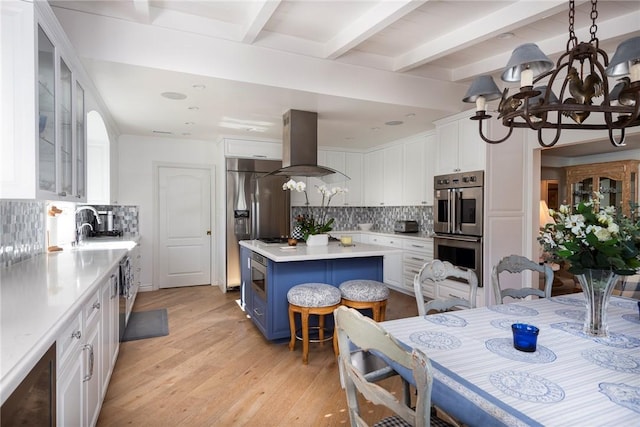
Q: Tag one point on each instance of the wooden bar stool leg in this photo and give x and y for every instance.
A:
(321, 330)
(383, 310)
(292, 327)
(305, 336)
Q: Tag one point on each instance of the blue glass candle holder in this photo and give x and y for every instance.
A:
(525, 337)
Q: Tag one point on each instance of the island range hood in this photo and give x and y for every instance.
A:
(300, 148)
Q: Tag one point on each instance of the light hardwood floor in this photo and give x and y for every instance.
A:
(216, 369)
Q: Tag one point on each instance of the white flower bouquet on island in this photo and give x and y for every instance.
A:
(308, 224)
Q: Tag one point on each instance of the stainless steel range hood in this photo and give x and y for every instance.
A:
(300, 148)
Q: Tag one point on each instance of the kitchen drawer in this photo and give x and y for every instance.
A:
(452, 288)
(395, 242)
(69, 339)
(424, 246)
(92, 310)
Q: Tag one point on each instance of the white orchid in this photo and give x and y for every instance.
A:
(308, 223)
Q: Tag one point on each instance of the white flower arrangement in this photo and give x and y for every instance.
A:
(308, 224)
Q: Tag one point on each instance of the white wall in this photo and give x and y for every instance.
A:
(136, 156)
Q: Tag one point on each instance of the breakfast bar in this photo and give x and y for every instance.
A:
(268, 271)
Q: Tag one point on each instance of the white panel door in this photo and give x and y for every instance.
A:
(184, 202)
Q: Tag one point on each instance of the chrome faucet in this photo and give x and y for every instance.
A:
(79, 232)
(89, 208)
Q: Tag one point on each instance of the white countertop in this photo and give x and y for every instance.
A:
(279, 252)
(38, 296)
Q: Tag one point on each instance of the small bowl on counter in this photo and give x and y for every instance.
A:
(366, 226)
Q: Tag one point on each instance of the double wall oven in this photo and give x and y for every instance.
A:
(458, 207)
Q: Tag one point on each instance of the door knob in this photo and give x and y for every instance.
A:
(208, 232)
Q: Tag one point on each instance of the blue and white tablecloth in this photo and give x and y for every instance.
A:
(571, 379)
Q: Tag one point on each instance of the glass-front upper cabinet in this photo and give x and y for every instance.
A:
(61, 119)
(615, 181)
(81, 144)
(66, 134)
(46, 113)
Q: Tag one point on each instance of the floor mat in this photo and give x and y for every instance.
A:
(146, 324)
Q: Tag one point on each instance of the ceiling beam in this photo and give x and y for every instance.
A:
(373, 21)
(263, 12)
(613, 28)
(142, 11)
(504, 20)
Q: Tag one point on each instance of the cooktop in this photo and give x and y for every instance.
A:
(273, 239)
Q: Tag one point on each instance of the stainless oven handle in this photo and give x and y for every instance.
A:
(451, 207)
(459, 238)
(458, 220)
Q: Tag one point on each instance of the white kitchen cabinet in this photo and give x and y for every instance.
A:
(252, 149)
(354, 169)
(453, 289)
(417, 171)
(44, 138)
(374, 178)
(351, 165)
(392, 267)
(417, 252)
(109, 328)
(86, 352)
(383, 176)
(69, 394)
(459, 147)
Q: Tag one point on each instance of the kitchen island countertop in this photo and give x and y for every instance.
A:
(279, 252)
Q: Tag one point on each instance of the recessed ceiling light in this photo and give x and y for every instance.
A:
(410, 115)
(163, 132)
(189, 123)
(198, 87)
(505, 36)
(173, 95)
(194, 108)
(394, 123)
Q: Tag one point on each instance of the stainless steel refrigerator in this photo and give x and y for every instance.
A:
(257, 208)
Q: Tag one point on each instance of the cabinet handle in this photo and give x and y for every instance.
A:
(454, 296)
(91, 360)
(76, 334)
(260, 156)
(418, 246)
(414, 271)
(96, 305)
(114, 281)
(417, 259)
(257, 312)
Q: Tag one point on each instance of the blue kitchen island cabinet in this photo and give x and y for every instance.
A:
(286, 268)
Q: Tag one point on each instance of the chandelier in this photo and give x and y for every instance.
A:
(582, 73)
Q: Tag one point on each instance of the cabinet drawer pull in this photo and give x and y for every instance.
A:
(418, 246)
(258, 312)
(96, 305)
(417, 258)
(454, 296)
(414, 271)
(91, 360)
(76, 334)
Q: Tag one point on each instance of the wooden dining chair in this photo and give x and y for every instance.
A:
(436, 271)
(519, 264)
(354, 329)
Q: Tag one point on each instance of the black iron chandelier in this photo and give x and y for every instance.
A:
(581, 73)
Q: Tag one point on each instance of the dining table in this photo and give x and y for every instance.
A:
(571, 379)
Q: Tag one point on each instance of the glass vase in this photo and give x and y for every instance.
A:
(597, 286)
